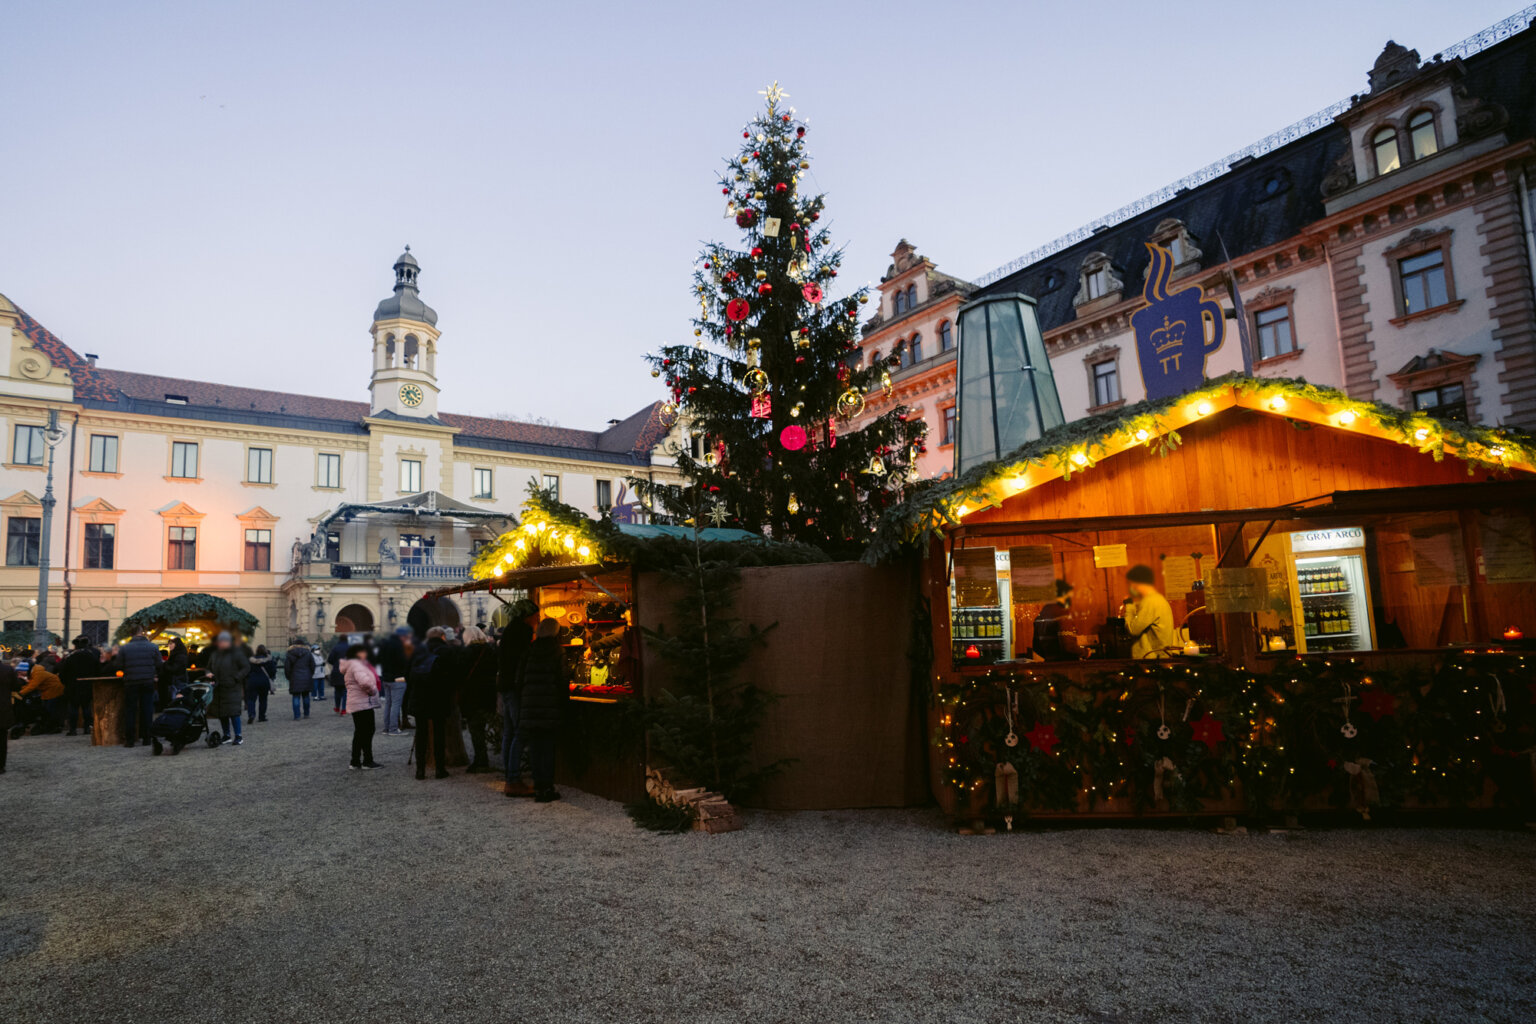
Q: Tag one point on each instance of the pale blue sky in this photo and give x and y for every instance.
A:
(218, 190)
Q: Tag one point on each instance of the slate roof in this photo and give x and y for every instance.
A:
(1238, 209)
(145, 394)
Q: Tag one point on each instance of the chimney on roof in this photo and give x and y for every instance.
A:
(90, 357)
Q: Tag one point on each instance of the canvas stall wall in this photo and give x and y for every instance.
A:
(839, 660)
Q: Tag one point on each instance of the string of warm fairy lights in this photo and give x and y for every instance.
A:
(547, 532)
(1078, 447)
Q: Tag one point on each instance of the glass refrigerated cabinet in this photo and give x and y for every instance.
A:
(1330, 591)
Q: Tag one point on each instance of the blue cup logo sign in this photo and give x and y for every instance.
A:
(1175, 331)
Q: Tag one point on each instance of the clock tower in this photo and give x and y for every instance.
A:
(404, 381)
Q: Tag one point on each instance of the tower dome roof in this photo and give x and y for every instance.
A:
(406, 304)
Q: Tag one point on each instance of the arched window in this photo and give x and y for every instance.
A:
(874, 358)
(1384, 145)
(946, 337)
(899, 354)
(1421, 135)
(911, 296)
(915, 349)
(901, 303)
(412, 349)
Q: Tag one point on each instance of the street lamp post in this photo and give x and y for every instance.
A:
(52, 435)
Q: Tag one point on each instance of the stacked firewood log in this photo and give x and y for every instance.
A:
(711, 812)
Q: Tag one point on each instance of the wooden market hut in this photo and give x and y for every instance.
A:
(1297, 535)
(836, 658)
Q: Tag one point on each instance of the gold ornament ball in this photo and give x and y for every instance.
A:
(655, 373)
(762, 275)
(757, 195)
(698, 331)
(863, 300)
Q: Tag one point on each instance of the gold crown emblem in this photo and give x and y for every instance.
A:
(1170, 335)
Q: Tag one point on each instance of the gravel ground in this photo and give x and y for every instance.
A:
(268, 883)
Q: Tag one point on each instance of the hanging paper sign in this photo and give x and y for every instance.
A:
(1438, 557)
(1031, 574)
(738, 309)
(1109, 556)
(792, 437)
(1179, 575)
(976, 578)
(1508, 555)
(1175, 331)
(1240, 589)
(812, 292)
(771, 227)
(762, 407)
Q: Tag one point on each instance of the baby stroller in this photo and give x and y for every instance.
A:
(28, 714)
(184, 719)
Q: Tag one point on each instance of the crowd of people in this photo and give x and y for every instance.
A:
(511, 681)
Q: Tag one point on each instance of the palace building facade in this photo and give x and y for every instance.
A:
(1384, 247)
(318, 515)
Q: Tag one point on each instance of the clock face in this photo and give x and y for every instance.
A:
(411, 394)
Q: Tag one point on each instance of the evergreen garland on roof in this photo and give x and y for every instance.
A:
(187, 608)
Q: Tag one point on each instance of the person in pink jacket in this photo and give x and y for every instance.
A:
(362, 682)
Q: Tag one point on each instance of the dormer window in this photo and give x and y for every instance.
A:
(175, 399)
(1172, 235)
(901, 303)
(911, 296)
(1422, 139)
(1096, 280)
(1384, 147)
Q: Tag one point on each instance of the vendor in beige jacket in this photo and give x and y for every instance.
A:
(1148, 616)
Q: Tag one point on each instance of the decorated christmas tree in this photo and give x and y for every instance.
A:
(772, 378)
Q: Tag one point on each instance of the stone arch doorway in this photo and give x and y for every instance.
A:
(432, 611)
(354, 618)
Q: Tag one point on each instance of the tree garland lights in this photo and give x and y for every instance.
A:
(1312, 734)
(549, 532)
(1080, 445)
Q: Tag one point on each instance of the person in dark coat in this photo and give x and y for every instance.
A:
(83, 663)
(299, 667)
(432, 680)
(229, 668)
(395, 655)
(258, 685)
(544, 693)
(512, 649)
(140, 661)
(9, 682)
(177, 661)
(477, 692)
(333, 675)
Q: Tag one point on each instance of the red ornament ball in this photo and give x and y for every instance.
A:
(792, 437)
(757, 250)
(725, 191)
(781, 187)
(746, 218)
(756, 154)
(764, 288)
(800, 133)
(786, 118)
(738, 309)
(812, 292)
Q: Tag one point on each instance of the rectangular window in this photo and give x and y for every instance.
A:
(1274, 329)
(1448, 401)
(22, 536)
(483, 478)
(258, 550)
(1096, 284)
(552, 485)
(1106, 382)
(410, 476)
(28, 449)
(181, 552)
(95, 630)
(184, 459)
(258, 465)
(947, 428)
(604, 495)
(20, 626)
(103, 453)
(333, 547)
(1423, 281)
(329, 470)
(100, 545)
